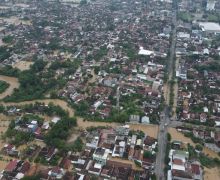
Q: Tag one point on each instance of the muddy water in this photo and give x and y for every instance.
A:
(180, 137)
(13, 82)
(150, 130)
(211, 173)
(94, 76)
(15, 20)
(58, 102)
(23, 65)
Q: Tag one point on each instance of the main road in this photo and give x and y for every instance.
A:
(165, 115)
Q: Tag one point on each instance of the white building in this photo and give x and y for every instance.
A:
(210, 27)
(210, 6)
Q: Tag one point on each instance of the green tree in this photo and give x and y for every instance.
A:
(169, 137)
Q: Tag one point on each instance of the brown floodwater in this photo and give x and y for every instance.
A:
(13, 82)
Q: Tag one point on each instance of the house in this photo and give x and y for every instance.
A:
(107, 171)
(56, 172)
(182, 72)
(12, 165)
(197, 171)
(48, 152)
(217, 138)
(145, 120)
(100, 155)
(121, 172)
(16, 169)
(79, 163)
(65, 163)
(119, 149)
(95, 168)
(203, 117)
(10, 150)
(55, 119)
(133, 140)
(134, 119)
(94, 143)
(210, 27)
(122, 130)
(210, 5)
(12, 111)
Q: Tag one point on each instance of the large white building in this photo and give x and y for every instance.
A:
(210, 27)
(210, 6)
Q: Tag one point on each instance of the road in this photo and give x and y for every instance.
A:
(162, 142)
(164, 118)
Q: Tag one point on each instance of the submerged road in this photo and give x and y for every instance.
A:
(165, 115)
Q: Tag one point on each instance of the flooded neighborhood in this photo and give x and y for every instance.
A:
(115, 89)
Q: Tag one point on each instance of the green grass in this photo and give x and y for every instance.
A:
(184, 16)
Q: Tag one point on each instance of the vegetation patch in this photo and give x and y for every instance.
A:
(3, 86)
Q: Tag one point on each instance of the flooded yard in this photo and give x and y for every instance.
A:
(15, 20)
(23, 65)
(3, 164)
(212, 173)
(115, 159)
(150, 130)
(84, 124)
(180, 137)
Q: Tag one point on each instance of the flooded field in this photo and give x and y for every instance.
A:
(23, 65)
(84, 124)
(211, 173)
(210, 153)
(150, 130)
(13, 82)
(3, 164)
(126, 162)
(180, 137)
